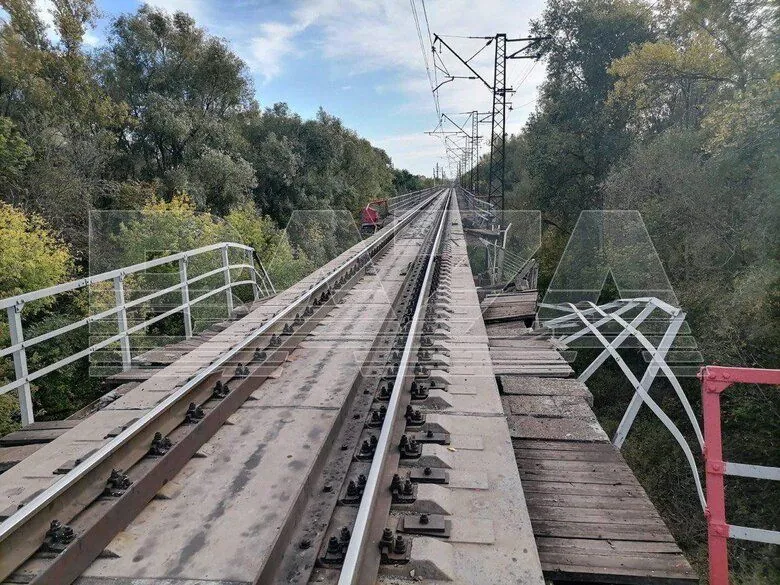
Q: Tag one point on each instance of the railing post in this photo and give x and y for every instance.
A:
(121, 320)
(20, 363)
(229, 291)
(185, 297)
(252, 274)
(717, 529)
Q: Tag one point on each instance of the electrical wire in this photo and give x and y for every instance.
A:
(416, 17)
(433, 60)
(485, 46)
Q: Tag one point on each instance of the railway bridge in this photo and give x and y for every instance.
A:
(365, 425)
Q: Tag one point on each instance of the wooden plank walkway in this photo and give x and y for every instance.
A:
(592, 521)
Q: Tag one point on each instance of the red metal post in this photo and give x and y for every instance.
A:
(717, 529)
(715, 379)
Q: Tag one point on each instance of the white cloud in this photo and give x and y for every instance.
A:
(271, 48)
(415, 152)
(366, 36)
(200, 10)
(363, 36)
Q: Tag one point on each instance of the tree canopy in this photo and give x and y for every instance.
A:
(162, 121)
(671, 108)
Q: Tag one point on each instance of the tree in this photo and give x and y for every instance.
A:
(51, 93)
(188, 96)
(667, 84)
(31, 255)
(574, 137)
(14, 152)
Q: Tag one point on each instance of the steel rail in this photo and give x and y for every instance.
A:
(50, 495)
(361, 533)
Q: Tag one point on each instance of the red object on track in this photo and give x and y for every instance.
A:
(373, 215)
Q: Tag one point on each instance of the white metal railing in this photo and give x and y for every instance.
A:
(259, 281)
(590, 321)
(407, 200)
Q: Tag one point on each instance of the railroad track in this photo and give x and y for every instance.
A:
(57, 534)
(346, 431)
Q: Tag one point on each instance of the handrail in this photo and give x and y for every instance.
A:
(714, 380)
(258, 280)
(407, 200)
(641, 391)
(104, 276)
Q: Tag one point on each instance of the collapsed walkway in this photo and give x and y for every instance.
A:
(591, 518)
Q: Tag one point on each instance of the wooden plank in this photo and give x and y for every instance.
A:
(634, 518)
(600, 531)
(519, 343)
(605, 502)
(132, 375)
(631, 563)
(624, 478)
(566, 455)
(25, 437)
(557, 569)
(50, 424)
(503, 354)
(162, 356)
(591, 518)
(604, 547)
(553, 445)
(553, 371)
(565, 467)
(531, 484)
(574, 575)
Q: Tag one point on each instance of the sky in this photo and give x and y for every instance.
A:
(361, 60)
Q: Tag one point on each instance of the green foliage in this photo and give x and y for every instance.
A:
(667, 84)
(674, 116)
(188, 95)
(31, 255)
(406, 182)
(285, 264)
(14, 151)
(66, 389)
(573, 138)
(313, 164)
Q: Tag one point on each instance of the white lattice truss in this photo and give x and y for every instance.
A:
(591, 320)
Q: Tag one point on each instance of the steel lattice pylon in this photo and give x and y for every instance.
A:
(474, 150)
(495, 194)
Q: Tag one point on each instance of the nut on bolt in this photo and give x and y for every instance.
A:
(399, 547)
(58, 537)
(160, 445)
(221, 389)
(117, 483)
(194, 413)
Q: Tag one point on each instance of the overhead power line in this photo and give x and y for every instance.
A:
(433, 84)
(500, 90)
